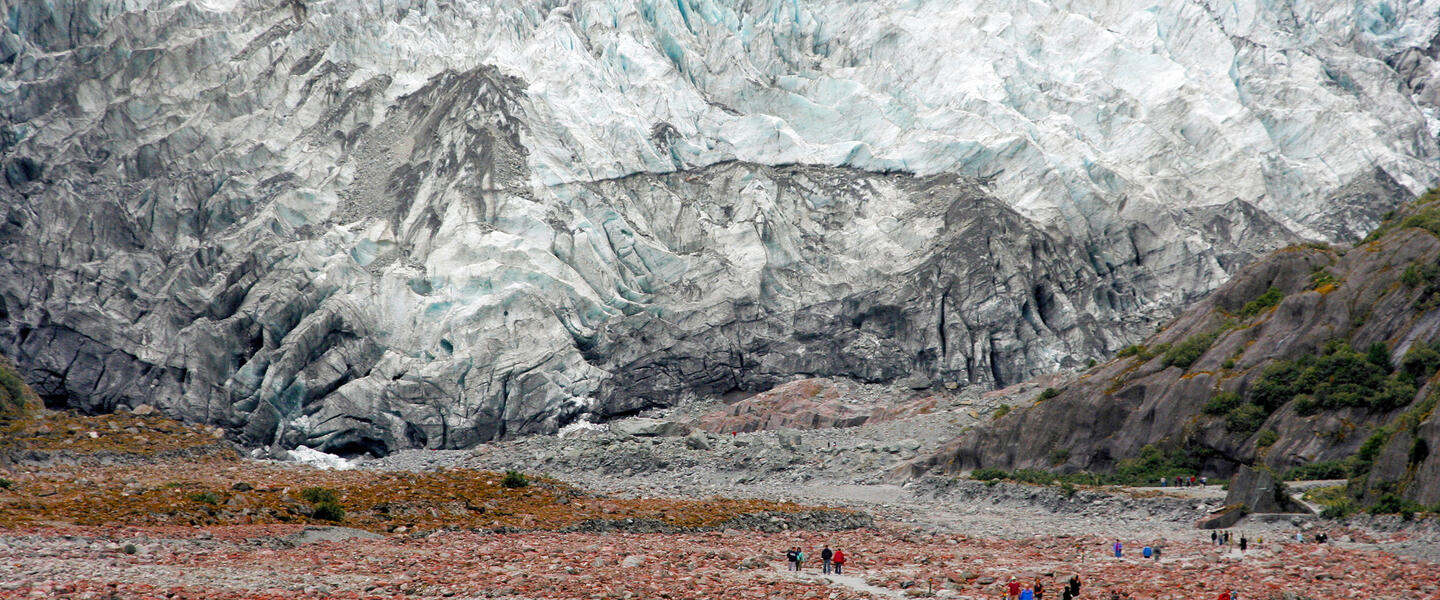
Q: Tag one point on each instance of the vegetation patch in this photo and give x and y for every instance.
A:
(1330, 469)
(1265, 301)
(1189, 350)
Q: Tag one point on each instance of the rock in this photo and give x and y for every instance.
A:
(1257, 490)
(144, 409)
(632, 561)
(789, 439)
(241, 486)
(641, 427)
(697, 440)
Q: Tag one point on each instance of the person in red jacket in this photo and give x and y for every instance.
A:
(1224, 596)
(838, 559)
(1014, 588)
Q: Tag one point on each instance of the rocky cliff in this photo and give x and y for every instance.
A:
(1314, 356)
(371, 226)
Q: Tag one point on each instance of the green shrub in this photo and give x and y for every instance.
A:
(1270, 298)
(1034, 476)
(1131, 350)
(6, 484)
(514, 479)
(988, 474)
(328, 511)
(1222, 403)
(1049, 393)
(13, 402)
(1412, 277)
(316, 495)
(1330, 469)
(1091, 363)
(1379, 355)
(1394, 504)
(1245, 419)
(1267, 439)
(1002, 411)
(1068, 489)
(1189, 350)
(1421, 361)
(1228, 364)
(1322, 277)
(1058, 456)
(1365, 456)
(205, 497)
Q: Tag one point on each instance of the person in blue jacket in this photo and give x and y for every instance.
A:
(1117, 548)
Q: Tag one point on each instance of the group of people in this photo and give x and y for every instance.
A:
(1222, 538)
(1190, 481)
(1015, 590)
(831, 561)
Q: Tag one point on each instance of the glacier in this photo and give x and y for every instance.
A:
(367, 226)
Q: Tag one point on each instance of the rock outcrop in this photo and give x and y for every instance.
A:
(1311, 355)
(369, 226)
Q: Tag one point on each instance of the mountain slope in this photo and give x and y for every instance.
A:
(371, 226)
(1310, 356)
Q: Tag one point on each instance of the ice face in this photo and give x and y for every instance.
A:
(366, 226)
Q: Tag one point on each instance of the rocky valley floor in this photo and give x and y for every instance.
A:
(644, 509)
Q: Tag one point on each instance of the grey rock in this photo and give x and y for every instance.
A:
(789, 439)
(697, 440)
(1259, 492)
(650, 428)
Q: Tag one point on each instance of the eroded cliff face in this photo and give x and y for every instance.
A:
(1304, 373)
(368, 226)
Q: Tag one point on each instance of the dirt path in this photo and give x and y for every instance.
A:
(851, 582)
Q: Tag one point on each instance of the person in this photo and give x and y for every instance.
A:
(1215, 537)
(1147, 552)
(825, 556)
(1074, 586)
(1299, 537)
(1243, 543)
(1013, 588)
(1162, 482)
(1157, 552)
(1117, 548)
(790, 556)
(1027, 593)
(839, 560)
(1065, 593)
(1224, 596)
(1039, 589)
(799, 559)
(1204, 481)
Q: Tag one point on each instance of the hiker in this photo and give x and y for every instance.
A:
(1224, 596)
(825, 556)
(1074, 586)
(838, 560)
(1204, 481)
(1027, 593)
(1147, 552)
(1215, 538)
(1162, 482)
(790, 556)
(1039, 589)
(1117, 548)
(1243, 543)
(1013, 589)
(1157, 552)
(799, 559)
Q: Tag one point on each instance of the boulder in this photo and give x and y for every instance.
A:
(641, 427)
(1258, 490)
(789, 439)
(697, 440)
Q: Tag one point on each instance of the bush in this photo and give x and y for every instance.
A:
(1412, 277)
(1270, 298)
(1393, 504)
(1058, 456)
(1002, 411)
(514, 479)
(988, 474)
(1131, 350)
(1222, 403)
(328, 510)
(1228, 364)
(1330, 469)
(1245, 419)
(1321, 279)
(1365, 456)
(1189, 350)
(13, 402)
(6, 484)
(205, 497)
(1379, 355)
(1068, 489)
(1049, 393)
(1267, 439)
(1421, 361)
(1034, 476)
(317, 495)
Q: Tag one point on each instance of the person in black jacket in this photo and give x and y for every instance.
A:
(825, 555)
(793, 555)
